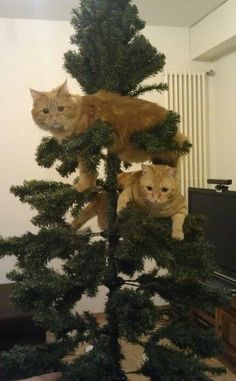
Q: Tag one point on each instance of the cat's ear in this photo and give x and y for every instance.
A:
(63, 89)
(172, 171)
(36, 94)
(146, 170)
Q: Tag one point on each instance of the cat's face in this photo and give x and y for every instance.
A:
(54, 111)
(159, 183)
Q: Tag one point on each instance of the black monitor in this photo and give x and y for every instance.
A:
(220, 210)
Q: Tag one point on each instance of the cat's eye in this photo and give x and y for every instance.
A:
(164, 190)
(60, 108)
(45, 110)
(149, 188)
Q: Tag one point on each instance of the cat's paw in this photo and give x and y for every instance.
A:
(120, 207)
(179, 235)
(75, 225)
(82, 187)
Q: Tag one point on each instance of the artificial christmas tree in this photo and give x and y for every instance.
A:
(112, 55)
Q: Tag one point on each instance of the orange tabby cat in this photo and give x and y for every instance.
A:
(154, 189)
(64, 115)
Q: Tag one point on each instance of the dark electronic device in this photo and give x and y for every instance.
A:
(221, 185)
(219, 207)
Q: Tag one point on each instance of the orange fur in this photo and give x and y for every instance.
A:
(155, 190)
(127, 115)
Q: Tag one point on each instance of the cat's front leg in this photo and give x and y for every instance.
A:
(86, 180)
(177, 224)
(123, 199)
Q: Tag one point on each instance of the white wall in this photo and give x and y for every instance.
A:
(223, 128)
(214, 38)
(32, 56)
(174, 42)
(214, 35)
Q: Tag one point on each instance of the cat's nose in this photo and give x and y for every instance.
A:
(54, 121)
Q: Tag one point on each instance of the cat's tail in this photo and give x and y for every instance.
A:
(171, 158)
(180, 137)
(184, 142)
(92, 209)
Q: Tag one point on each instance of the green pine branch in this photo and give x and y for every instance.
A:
(89, 145)
(167, 363)
(51, 199)
(190, 337)
(136, 307)
(161, 138)
(147, 88)
(112, 54)
(24, 361)
(150, 238)
(185, 295)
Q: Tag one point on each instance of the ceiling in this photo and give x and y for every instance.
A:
(182, 13)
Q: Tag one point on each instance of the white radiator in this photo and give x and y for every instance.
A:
(187, 96)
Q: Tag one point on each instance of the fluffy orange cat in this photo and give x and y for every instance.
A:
(64, 115)
(155, 189)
